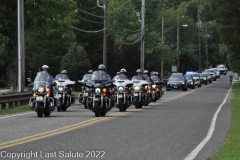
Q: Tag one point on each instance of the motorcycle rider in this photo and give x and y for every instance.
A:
(139, 71)
(51, 79)
(122, 72)
(62, 75)
(145, 74)
(101, 68)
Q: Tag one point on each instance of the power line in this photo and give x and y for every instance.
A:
(89, 20)
(89, 13)
(89, 31)
(134, 42)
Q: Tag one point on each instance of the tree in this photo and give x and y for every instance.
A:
(76, 62)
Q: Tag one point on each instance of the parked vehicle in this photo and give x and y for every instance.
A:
(196, 78)
(190, 81)
(212, 73)
(204, 78)
(177, 81)
(222, 69)
(123, 97)
(42, 100)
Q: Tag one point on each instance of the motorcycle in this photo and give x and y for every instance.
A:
(63, 95)
(123, 97)
(99, 94)
(42, 100)
(83, 95)
(157, 87)
(139, 91)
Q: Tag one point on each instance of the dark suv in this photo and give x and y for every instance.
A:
(177, 81)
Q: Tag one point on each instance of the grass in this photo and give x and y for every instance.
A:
(17, 109)
(230, 150)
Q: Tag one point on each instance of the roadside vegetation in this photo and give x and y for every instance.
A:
(230, 150)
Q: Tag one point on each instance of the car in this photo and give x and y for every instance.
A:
(177, 81)
(222, 69)
(209, 77)
(190, 81)
(217, 72)
(212, 73)
(196, 77)
(203, 78)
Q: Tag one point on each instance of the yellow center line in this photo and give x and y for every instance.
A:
(77, 125)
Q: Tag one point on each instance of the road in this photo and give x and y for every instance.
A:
(169, 129)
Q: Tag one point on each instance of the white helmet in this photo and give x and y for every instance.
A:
(101, 66)
(145, 71)
(45, 67)
(123, 70)
(64, 72)
(139, 71)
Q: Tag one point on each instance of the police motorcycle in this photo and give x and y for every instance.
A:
(123, 97)
(157, 86)
(63, 89)
(99, 99)
(83, 95)
(151, 94)
(139, 91)
(42, 100)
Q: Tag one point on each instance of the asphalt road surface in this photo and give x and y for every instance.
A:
(181, 125)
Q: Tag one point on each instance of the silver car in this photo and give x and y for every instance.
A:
(196, 77)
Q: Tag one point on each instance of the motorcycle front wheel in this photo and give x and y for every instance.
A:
(46, 113)
(120, 105)
(96, 109)
(136, 103)
(40, 109)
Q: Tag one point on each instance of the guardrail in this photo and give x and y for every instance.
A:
(14, 99)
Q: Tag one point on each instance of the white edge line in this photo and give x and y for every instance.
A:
(194, 153)
(15, 115)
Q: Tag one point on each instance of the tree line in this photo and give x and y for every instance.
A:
(68, 34)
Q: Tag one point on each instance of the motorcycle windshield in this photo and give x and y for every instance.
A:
(120, 77)
(136, 78)
(42, 79)
(87, 77)
(99, 76)
(61, 77)
(154, 78)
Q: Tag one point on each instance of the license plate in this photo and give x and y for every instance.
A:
(86, 94)
(120, 96)
(97, 99)
(39, 98)
(136, 94)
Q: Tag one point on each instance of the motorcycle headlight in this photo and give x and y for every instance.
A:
(204, 78)
(60, 88)
(182, 82)
(120, 89)
(97, 90)
(154, 86)
(136, 88)
(40, 89)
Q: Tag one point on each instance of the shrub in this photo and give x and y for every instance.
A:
(3, 84)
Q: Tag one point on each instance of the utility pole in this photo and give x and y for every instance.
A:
(162, 43)
(142, 35)
(178, 44)
(104, 32)
(199, 44)
(21, 54)
(206, 43)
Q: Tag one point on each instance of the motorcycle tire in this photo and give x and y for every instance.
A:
(103, 113)
(136, 103)
(96, 109)
(59, 109)
(64, 108)
(39, 109)
(46, 113)
(120, 105)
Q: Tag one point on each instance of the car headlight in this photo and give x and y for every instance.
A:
(97, 90)
(136, 88)
(40, 89)
(120, 89)
(60, 88)
(154, 86)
